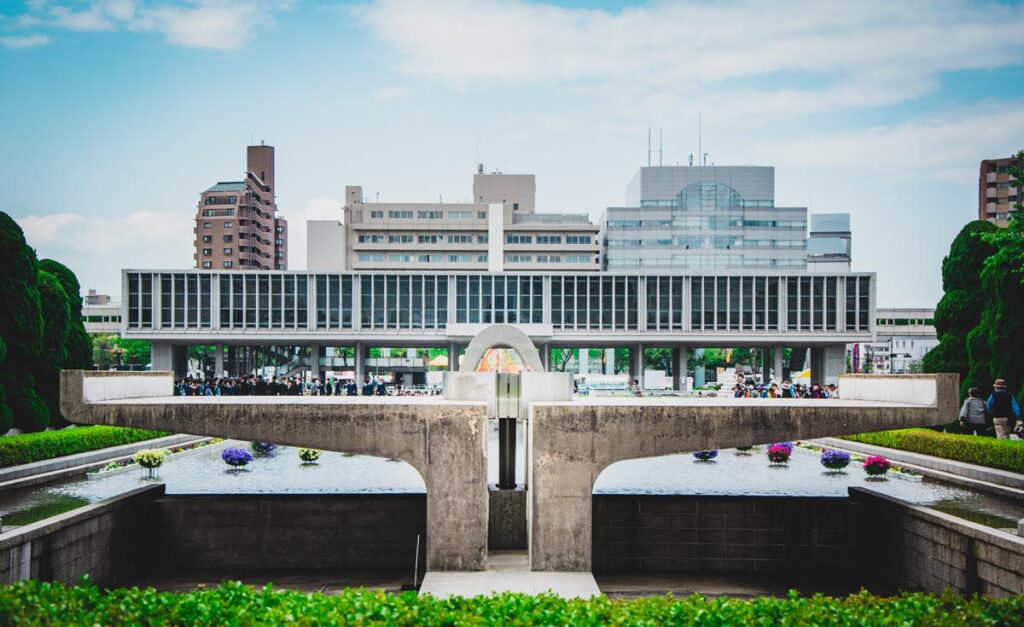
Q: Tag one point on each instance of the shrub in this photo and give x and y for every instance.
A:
(150, 458)
(876, 465)
(236, 457)
(263, 448)
(309, 455)
(779, 453)
(835, 460)
(35, 602)
(970, 449)
(33, 447)
(706, 456)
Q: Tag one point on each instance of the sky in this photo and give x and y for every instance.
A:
(116, 114)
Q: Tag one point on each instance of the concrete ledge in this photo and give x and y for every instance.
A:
(85, 459)
(953, 467)
(27, 533)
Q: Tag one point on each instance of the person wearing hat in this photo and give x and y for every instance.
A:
(1003, 408)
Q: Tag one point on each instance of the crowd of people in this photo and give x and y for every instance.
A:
(257, 385)
(999, 415)
(750, 389)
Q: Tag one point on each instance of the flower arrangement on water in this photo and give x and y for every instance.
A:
(876, 465)
(835, 460)
(150, 458)
(263, 448)
(309, 455)
(780, 453)
(744, 450)
(706, 456)
(236, 457)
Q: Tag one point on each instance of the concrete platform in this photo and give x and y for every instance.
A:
(509, 571)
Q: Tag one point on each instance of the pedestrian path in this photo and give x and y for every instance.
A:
(509, 571)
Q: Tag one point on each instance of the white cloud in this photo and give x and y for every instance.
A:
(216, 24)
(941, 147)
(46, 229)
(390, 93)
(24, 41)
(811, 56)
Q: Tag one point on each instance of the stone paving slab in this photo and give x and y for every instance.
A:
(565, 585)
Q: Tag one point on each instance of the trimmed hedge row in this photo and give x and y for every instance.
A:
(235, 604)
(971, 449)
(34, 447)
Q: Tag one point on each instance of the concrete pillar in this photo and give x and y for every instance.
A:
(636, 364)
(778, 363)
(833, 363)
(583, 360)
(453, 357)
(360, 355)
(766, 366)
(179, 360)
(680, 364)
(315, 352)
(545, 356)
(817, 364)
(218, 361)
(160, 356)
(609, 361)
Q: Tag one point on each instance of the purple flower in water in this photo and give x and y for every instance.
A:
(787, 445)
(263, 448)
(236, 457)
(706, 456)
(835, 460)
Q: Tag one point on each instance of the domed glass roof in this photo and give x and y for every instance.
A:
(708, 195)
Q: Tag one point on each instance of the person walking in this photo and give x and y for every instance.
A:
(1004, 409)
(975, 418)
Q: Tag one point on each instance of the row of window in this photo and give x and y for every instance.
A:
(405, 238)
(425, 214)
(716, 242)
(707, 222)
(722, 261)
(671, 303)
(907, 322)
(222, 200)
(521, 258)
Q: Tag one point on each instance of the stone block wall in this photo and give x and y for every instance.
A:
(726, 535)
(108, 540)
(292, 532)
(922, 549)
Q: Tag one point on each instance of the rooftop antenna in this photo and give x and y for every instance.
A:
(691, 158)
(648, 146)
(705, 159)
(378, 196)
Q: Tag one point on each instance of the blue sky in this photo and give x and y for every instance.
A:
(117, 113)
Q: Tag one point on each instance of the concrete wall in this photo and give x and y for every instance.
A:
(805, 537)
(109, 540)
(291, 532)
(571, 443)
(444, 440)
(922, 549)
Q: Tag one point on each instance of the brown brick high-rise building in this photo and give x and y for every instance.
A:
(998, 192)
(237, 226)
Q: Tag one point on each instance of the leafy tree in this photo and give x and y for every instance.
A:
(79, 345)
(54, 307)
(998, 339)
(6, 416)
(20, 324)
(135, 351)
(960, 311)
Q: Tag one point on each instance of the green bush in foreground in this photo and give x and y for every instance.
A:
(236, 604)
(33, 447)
(971, 449)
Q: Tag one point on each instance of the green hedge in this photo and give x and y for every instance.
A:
(33, 447)
(235, 604)
(971, 449)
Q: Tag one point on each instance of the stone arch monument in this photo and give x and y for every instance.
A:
(501, 336)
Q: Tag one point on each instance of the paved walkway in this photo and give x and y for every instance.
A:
(509, 571)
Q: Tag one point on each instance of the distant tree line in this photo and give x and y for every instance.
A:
(980, 319)
(41, 332)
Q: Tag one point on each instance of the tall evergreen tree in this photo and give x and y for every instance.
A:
(20, 323)
(961, 308)
(79, 343)
(6, 416)
(53, 304)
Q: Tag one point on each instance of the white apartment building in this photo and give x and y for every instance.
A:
(499, 231)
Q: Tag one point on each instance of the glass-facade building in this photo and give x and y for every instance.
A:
(701, 218)
(206, 306)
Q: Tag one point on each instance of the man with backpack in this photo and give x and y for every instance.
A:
(974, 416)
(1004, 409)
